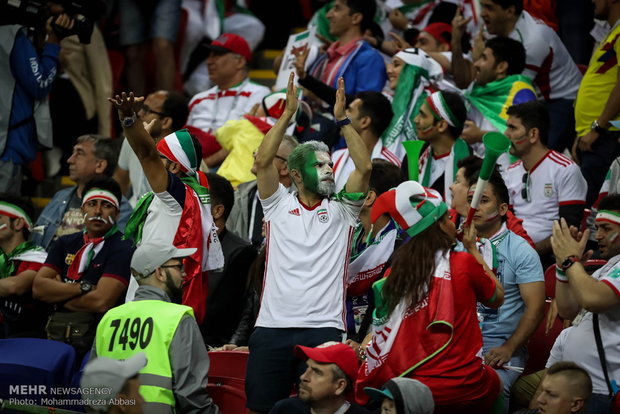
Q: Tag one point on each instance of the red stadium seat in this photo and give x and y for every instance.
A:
(228, 398)
(540, 344)
(227, 380)
(550, 282)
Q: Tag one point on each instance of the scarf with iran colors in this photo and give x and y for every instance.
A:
(494, 98)
(414, 83)
(459, 150)
(409, 336)
(367, 264)
(92, 246)
(25, 252)
(196, 228)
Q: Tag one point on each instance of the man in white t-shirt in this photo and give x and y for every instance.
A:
(543, 185)
(591, 299)
(233, 95)
(548, 62)
(167, 111)
(370, 114)
(308, 237)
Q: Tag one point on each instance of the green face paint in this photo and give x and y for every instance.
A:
(309, 173)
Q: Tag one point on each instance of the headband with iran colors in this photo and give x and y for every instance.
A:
(178, 147)
(100, 194)
(411, 205)
(13, 211)
(417, 57)
(608, 216)
(437, 104)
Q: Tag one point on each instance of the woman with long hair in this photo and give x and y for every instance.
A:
(425, 324)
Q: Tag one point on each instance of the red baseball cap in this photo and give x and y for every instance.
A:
(332, 353)
(230, 42)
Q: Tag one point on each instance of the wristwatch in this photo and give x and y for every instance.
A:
(596, 127)
(343, 122)
(85, 286)
(568, 262)
(129, 120)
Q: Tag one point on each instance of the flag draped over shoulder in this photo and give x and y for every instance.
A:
(409, 336)
(494, 98)
(196, 227)
(414, 82)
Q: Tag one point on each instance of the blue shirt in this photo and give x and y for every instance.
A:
(517, 263)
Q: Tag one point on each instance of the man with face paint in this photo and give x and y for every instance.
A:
(506, 330)
(308, 237)
(543, 185)
(175, 376)
(86, 273)
(440, 123)
(591, 299)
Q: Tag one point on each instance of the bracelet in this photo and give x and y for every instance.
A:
(343, 122)
(560, 274)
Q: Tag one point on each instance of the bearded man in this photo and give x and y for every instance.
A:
(308, 237)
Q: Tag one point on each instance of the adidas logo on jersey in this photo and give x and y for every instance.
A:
(295, 212)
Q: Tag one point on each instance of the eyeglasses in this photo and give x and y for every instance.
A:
(147, 110)
(525, 192)
(179, 266)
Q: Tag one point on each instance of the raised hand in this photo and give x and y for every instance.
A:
(339, 107)
(459, 24)
(291, 96)
(301, 55)
(126, 104)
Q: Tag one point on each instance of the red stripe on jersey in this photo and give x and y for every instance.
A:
(558, 159)
(390, 156)
(561, 156)
(539, 162)
(571, 202)
(344, 153)
(514, 165)
(615, 289)
(344, 277)
(267, 237)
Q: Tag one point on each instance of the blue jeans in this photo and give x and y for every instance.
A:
(598, 404)
(507, 376)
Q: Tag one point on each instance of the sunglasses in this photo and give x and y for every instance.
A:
(525, 192)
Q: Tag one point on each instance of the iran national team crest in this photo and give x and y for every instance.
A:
(548, 190)
(323, 217)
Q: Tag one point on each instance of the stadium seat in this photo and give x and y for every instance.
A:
(540, 344)
(38, 364)
(228, 368)
(550, 282)
(228, 398)
(227, 380)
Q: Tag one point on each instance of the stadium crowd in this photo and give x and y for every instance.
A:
(424, 219)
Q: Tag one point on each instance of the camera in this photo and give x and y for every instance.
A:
(34, 14)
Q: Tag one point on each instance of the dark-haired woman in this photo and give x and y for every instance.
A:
(425, 324)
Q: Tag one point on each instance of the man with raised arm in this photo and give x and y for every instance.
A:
(308, 245)
(178, 210)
